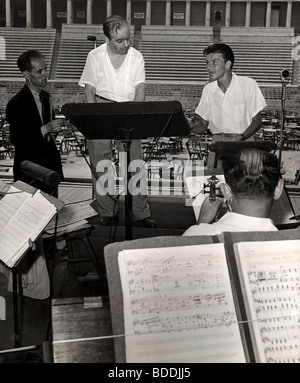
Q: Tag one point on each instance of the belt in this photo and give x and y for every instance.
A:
(103, 98)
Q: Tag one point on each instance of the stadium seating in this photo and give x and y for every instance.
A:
(18, 40)
(260, 53)
(175, 53)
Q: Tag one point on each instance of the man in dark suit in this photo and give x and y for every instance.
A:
(31, 120)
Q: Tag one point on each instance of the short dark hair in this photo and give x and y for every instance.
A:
(24, 60)
(251, 173)
(113, 24)
(224, 49)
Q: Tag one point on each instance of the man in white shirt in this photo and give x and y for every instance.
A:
(230, 105)
(252, 182)
(115, 72)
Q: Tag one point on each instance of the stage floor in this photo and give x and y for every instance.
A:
(170, 211)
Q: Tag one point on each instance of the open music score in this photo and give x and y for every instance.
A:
(23, 216)
(270, 273)
(200, 303)
(178, 305)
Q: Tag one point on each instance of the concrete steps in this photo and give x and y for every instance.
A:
(18, 40)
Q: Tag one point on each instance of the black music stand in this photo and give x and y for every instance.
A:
(127, 121)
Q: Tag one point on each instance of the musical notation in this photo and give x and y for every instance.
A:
(272, 280)
(179, 294)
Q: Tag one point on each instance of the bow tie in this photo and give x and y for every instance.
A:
(44, 96)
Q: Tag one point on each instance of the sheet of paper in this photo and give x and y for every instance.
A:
(27, 221)
(10, 203)
(70, 215)
(271, 281)
(178, 305)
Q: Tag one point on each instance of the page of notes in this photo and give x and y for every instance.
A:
(271, 281)
(71, 216)
(10, 203)
(25, 216)
(178, 305)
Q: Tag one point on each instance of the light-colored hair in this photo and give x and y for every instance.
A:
(251, 173)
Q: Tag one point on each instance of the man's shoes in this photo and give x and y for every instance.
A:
(109, 221)
(146, 222)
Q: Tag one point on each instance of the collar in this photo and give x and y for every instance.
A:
(244, 218)
(34, 92)
(216, 88)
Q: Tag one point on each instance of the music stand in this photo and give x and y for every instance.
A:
(127, 121)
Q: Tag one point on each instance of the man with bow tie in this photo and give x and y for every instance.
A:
(31, 120)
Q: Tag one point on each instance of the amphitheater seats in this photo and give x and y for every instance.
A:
(172, 54)
(175, 53)
(72, 57)
(260, 53)
(18, 40)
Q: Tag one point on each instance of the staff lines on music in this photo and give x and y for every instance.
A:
(275, 292)
(273, 283)
(161, 297)
(194, 321)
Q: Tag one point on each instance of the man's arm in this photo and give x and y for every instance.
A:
(200, 126)
(209, 210)
(140, 92)
(90, 93)
(252, 128)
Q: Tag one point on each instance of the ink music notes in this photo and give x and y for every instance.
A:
(179, 296)
(271, 281)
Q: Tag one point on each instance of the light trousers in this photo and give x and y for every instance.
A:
(100, 154)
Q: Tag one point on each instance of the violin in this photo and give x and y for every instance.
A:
(214, 192)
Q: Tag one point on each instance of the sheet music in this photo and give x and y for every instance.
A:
(70, 215)
(271, 281)
(10, 203)
(25, 216)
(178, 305)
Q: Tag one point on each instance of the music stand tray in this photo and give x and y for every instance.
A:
(128, 121)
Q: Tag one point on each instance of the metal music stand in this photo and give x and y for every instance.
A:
(127, 121)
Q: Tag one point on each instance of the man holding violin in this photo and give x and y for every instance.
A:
(252, 182)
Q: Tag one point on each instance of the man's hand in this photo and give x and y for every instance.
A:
(209, 210)
(199, 126)
(52, 127)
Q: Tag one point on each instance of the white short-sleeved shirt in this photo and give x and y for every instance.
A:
(113, 84)
(232, 222)
(232, 111)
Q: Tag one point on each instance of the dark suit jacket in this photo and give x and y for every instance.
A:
(25, 134)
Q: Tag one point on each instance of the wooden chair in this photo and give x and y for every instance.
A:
(196, 151)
